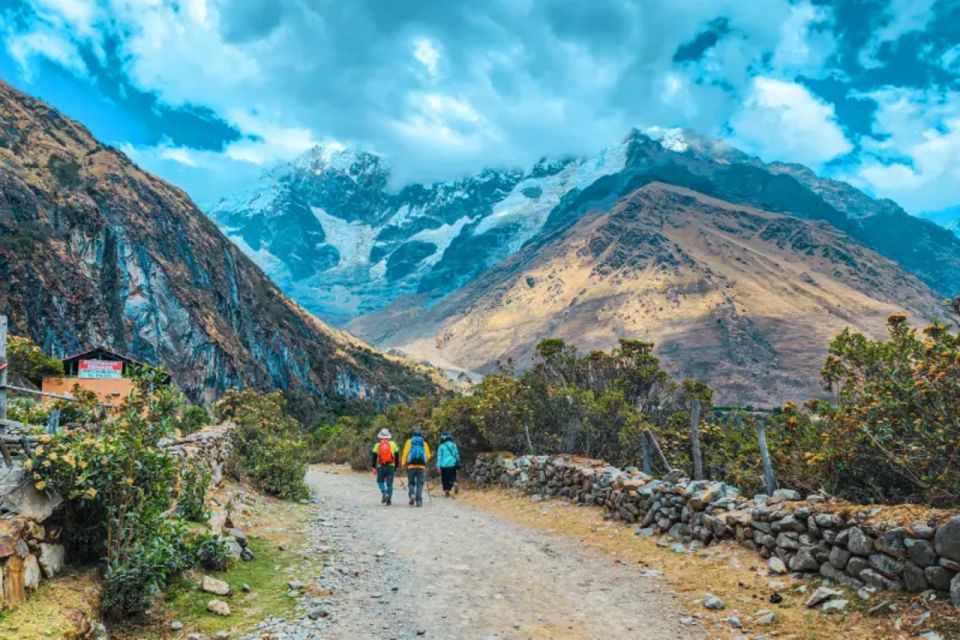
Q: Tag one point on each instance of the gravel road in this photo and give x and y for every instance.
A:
(451, 571)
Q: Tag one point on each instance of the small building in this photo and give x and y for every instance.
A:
(102, 371)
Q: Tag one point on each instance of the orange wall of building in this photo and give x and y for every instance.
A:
(109, 390)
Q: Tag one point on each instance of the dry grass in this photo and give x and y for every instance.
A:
(733, 573)
(63, 608)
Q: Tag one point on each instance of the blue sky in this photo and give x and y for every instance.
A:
(209, 93)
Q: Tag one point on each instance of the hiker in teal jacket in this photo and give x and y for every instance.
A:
(448, 461)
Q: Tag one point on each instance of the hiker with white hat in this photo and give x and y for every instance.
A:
(383, 461)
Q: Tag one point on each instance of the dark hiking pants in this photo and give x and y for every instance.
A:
(385, 475)
(448, 477)
(415, 479)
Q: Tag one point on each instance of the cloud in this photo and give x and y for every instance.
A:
(913, 155)
(902, 17)
(783, 121)
(426, 52)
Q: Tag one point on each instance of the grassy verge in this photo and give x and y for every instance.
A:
(64, 608)
(735, 574)
(274, 529)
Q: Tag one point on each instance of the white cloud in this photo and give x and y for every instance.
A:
(914, 155)
(178, 154)
(903, 17)
(782, 120)
(44, 43)
(805, 45)
(427, 54)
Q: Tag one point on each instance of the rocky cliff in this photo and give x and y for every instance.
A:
(742, 298)
(94, 251)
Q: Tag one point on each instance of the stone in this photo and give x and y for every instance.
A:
(856, 566)
(891, 543)
(886, 565)
(804, 560)
(764, 616)
(31, 573)
(246, 588)
(789, 523)
(786, 495)
(643, 532)
(955, 591)
(827, 520)
(776, 566)
(938, 577)
(830, 572)
(711, 601)
(53, 558)
(946, 540)
(176, 625)
(734, 622)
(920, 552)
(318, 612)
(822, 594)
(214, 586)
(858, 542)
(879, 581)
(914, 578)
(882, 607)
(218, 607)
(296, 585)
(834, 606)
(839, 557)
(947, 563)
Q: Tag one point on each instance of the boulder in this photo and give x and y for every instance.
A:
(858, 542)
(218, 607)
(827, 520)
(822, 594)
(920, 552)
(839, 557)
(939, 577)
(891, 543)
(711, 601)
(776, 566)
(914, 578)
(31, 573)
(879, 581)
(214, 586)
(856, 566)
(947, 539)
(886, 565)
(53, 558)
(804, 560)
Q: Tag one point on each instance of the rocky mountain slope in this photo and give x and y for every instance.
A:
(743, 298)
(94, 251)
(334, 235)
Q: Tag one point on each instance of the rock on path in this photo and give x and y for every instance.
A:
(450, 571)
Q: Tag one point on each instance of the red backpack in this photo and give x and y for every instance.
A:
(385, 452)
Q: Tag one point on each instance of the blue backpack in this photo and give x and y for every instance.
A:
(418, 454)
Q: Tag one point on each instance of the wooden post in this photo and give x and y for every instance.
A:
(7, 460)
(695, 439)
(53, 424)
(3, 367)
(656, 448)
(769, 483)
(647, 468)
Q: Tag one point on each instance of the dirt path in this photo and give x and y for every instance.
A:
(449, 570)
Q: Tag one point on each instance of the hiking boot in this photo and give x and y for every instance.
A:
(456, 489)
(389, 501)
(383, 499)
(446, 493)
(419, 503)
(411, 502)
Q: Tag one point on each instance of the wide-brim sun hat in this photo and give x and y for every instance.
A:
(384, 435)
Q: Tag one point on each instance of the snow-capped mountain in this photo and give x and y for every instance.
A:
(335, 237)
(330, 232)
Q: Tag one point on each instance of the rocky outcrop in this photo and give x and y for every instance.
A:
(29, 553)
(842, 543)
(96, 252)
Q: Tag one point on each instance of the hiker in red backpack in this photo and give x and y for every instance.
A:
(383, 460)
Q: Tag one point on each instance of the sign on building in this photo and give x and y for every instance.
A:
(100, 369)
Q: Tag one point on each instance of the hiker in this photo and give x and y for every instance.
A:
(416, 455)
(383, 461)
(448, 461)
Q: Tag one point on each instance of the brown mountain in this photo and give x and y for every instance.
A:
(95, 251)
(742, 298)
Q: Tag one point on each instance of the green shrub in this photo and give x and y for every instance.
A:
(268, 443)
(194, 484)
(192, 418)
(118, 482)
(212, 553)
(29, 361)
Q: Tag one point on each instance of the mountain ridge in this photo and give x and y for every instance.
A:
(95, 251)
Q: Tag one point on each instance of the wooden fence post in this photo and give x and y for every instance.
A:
(769, 482)
(695, 439)
(3, 367)
(656, 448)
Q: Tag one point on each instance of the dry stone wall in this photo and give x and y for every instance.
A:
(846, 543)
(211, 447)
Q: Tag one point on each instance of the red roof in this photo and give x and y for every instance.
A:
(104, 350)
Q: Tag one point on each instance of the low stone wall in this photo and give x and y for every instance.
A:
(849, 544)
(30, 549)
(210, 446)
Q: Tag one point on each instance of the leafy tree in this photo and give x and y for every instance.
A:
(29, 361)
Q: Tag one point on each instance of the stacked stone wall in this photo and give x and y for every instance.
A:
(850, 544)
